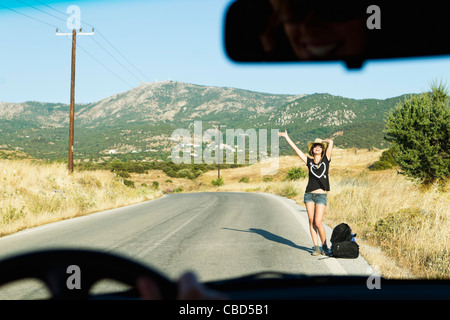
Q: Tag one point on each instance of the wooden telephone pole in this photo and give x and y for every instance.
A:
(72, 92)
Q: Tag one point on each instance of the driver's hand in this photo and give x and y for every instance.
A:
(188, 289)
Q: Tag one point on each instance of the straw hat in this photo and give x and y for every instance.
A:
(317, 141)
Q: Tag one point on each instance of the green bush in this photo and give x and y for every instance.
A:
(185, 173)
(386, 161)
(129, 183)
(295, 174)
(170, 172)
(419, 128)
(244, 180)
(218, 182)
(389, 156)
(123, 174)
(380, 165)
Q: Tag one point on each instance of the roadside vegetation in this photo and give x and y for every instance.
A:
(403, 228)
(34, 193)
(397, 200)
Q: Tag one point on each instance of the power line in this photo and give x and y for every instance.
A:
(52, 15)
(99, 62)
(30, 17)
(44, 4)
(104, 38)
(115, 59)
(86, 51)
(122, 55)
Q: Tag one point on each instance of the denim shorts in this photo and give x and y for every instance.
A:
(317, 198)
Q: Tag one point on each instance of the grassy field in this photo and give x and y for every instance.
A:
(402, 229)
(33, 194)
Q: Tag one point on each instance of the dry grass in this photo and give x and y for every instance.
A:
(410, 224)
(403, 229)
(33, 194)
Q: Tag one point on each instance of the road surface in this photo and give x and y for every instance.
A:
(216, 234)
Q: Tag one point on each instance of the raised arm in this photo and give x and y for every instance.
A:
(297, 150)
(329, 148)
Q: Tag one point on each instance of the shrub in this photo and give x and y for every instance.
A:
(218, 182)
(123, 174)
(117, 165)
(128, 183)
(288, 191)
(386, 161)
(168, 190)
(419, 128)
(185, 173)
(244, 180)
(295, 174)
(380, 165)
(389, 156)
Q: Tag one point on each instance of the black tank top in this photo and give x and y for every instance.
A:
(318, 174)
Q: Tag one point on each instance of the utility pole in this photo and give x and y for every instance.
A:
(218, 156)
(72, 91)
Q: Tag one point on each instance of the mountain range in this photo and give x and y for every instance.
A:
(138, 123)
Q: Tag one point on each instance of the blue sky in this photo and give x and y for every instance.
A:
(167, 39)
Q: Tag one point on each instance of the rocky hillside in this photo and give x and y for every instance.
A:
(139, 122)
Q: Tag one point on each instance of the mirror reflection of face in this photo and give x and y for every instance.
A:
(318, 32)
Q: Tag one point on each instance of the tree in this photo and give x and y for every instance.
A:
(419, 130)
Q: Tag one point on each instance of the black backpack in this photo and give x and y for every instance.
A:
(343, 244)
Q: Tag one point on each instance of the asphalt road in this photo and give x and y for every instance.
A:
(217, 235)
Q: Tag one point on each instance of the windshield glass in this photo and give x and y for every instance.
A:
(229, 168)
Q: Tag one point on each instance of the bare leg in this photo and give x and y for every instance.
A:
(318, 216)
(310, 209)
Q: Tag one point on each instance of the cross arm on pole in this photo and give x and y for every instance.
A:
(78, 33)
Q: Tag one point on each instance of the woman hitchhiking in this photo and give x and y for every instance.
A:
(318, 163)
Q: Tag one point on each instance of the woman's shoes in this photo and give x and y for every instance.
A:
(316, 251)
(325, 251)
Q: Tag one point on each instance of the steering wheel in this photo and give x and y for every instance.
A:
(55, 267)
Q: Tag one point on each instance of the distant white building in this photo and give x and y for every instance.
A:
(112, 151)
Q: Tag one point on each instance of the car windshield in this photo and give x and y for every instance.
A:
(184, 159)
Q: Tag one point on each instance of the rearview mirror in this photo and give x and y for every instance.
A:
(352, 31)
